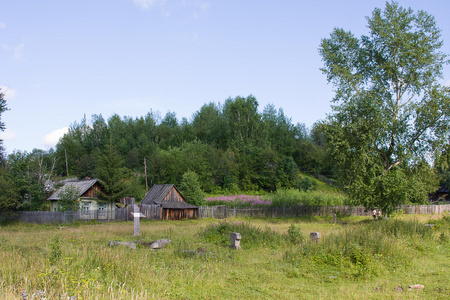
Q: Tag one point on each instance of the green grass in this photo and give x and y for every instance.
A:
(355, 259)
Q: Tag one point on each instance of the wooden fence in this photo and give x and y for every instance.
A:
(217, 212)
(221, 212)
(120, 214)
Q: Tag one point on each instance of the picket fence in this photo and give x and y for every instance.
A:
(216, 212)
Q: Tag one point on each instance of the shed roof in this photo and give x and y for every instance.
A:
(82, 186)
(157, 194)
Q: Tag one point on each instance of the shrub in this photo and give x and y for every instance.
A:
(55, 249)
(293, 197)
(252, 236)
(295, 235)
(239, 200)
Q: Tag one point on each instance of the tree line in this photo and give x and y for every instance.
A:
(229, 147)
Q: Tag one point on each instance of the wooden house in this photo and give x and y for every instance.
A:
(168, 203)
(91, 206)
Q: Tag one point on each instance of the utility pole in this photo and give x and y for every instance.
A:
(67, 166)
(145, 170)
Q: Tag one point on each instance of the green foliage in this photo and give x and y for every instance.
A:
(391, 113)
(68, 198)
(9, 196)
(191, 190)
(231, 147)
(367, 249)
(306, 184)
(3, 108)
(28, 173)
(112, 174)
(293, 197)
(55, 249)
(295, 234)
(252, 236)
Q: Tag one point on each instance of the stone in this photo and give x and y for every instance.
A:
(429, 225)
(315, 236)
(131, 245)
(416, 287)
(398, 289)
(158, 244)
(235, 238)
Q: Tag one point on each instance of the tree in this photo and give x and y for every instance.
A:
(390, 111)
(112, 173)
(68, 199)
(243, 119)
(9, 196)
(3, 108)
(190, 188)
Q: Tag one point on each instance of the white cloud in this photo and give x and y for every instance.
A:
(2, 25)
(51, 139)
(9, 93)
(203, 5)
(448, 83)
(7, 135)
(16, 51)
(167, 5)
(146, 4)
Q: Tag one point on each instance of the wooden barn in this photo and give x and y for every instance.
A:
(165, 202)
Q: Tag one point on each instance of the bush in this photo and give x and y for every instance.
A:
(252, 236)
(295, 235)
(239, 200)
(293, 197)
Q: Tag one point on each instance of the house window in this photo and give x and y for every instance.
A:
(86, 206)
(102, 207)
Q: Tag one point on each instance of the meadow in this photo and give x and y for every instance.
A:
(356, 258)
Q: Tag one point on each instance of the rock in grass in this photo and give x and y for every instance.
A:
(131, 245)
(315, 236)
(398, 289)
(158, 244)
(416, 287)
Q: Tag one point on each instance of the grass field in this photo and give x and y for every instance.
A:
(356, 258)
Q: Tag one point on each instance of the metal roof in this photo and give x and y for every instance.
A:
(82, 186)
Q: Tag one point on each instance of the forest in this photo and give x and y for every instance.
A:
(385, 143)
(231, 147)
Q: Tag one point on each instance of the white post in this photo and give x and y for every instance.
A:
(136, 220)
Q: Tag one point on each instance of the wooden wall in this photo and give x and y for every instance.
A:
(174, 196)
(179, 214)
(93, 191)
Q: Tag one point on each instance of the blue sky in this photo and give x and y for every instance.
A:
(61, 60)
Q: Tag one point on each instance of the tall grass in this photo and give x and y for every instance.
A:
(369, 249)
(276, 261)
(239, 200)
(282, 197)
(293, 197)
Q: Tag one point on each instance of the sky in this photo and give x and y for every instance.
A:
(62, 60)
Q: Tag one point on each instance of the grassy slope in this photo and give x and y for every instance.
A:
(89, 269)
